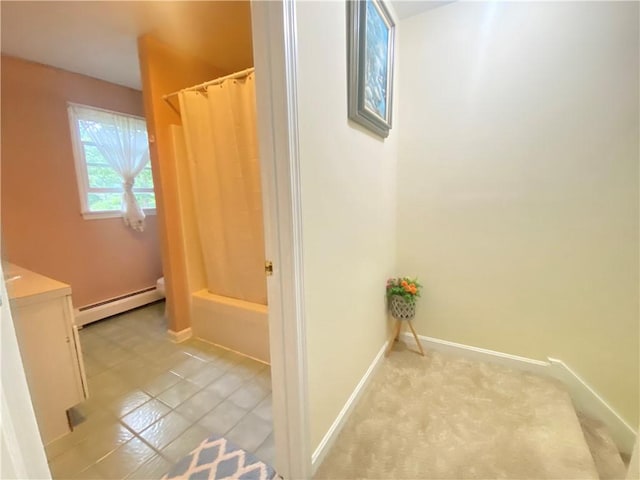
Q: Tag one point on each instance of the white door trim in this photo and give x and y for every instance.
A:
(274, 46)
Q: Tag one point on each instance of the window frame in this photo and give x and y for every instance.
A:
(82, 174)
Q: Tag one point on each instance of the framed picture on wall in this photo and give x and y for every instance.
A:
(370, 33)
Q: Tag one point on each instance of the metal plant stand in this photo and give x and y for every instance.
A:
(403, 311)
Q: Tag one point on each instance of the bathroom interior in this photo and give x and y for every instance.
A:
(139, 381)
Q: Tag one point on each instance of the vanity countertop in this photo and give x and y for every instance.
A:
(25, 287)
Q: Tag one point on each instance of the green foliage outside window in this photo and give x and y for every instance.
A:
(101, 175)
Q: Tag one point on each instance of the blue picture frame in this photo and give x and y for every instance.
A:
(371, 34)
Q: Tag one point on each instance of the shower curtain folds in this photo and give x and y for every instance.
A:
(219, 127)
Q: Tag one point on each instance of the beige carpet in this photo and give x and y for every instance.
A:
(444, 417)
(603, 450)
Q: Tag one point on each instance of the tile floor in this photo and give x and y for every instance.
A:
(152, 401)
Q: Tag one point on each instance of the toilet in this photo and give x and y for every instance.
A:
(160, 286)
(161, 291)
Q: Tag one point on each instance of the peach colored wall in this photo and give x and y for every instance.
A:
(42, 228)
(165, 70)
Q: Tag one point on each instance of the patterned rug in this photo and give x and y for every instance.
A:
(217, 459)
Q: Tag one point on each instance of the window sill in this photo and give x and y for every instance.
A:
(103, 215)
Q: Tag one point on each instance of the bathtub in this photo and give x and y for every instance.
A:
(234, 324)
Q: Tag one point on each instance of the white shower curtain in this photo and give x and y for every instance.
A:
(221, 140)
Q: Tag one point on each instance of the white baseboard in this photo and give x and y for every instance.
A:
(588, 401)
(115, 306)
(584, 397)
(333, 432)
(181, 336)
(482, 354)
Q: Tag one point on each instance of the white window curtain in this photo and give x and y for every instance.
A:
(122, 141)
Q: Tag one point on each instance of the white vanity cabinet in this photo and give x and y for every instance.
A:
(49, 346)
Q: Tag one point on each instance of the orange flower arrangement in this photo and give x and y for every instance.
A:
(405, 287)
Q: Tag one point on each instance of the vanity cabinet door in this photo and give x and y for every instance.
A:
(47, 347)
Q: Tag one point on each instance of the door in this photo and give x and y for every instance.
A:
(274, 53)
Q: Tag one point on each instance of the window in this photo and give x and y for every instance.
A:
(112, 160)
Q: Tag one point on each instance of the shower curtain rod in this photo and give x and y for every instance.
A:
(240, 74)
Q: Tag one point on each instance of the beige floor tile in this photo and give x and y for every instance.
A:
(248, 368)
(199, 405)
(145, 415)
(249, 395)
(196, 344)
(103, 442)
(166, 355)
(147, 347)
(132, 363)
(121, 334)
(218, 351)
(104, 327)
(107, 385)
(263, 378)
(264, 410)
(267, 451)
(128, 402)
(137, 372)
(60, 446)
(228, 360)
(68, 464)
(165, 430)
(138, 343)
(95, 422)
(188, 367)
(111, 355)
(154, 468)
(125, 459)
(160, 383)
(129, 359)
(90, 340)
(226, 385)
(92, 366)
(185, 443)
(90, 473)
(205, 351)
(204, 355)
(90, 408)
(207, 375)
(250, 432)
(177, 394)
(222, 418)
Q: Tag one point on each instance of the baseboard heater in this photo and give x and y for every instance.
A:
(113, 306)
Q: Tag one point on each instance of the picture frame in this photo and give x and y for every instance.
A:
(371, 52)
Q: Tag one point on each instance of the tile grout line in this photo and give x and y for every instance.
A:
(121, 338)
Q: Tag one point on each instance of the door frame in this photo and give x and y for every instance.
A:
(275, 60)
(22, 453)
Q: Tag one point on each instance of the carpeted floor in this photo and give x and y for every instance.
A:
(603, 450)
(444, 417)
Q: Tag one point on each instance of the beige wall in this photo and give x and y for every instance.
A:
(42, 228)
(518, 182)
(348, 208)
(166, 70)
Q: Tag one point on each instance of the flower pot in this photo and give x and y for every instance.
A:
(401, 308)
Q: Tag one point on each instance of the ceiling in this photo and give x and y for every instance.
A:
(409, 8)
(99, 38)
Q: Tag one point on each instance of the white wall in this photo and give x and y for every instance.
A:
(518, 182)
(348, 182)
